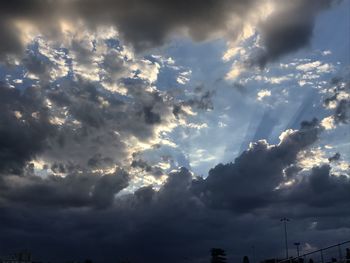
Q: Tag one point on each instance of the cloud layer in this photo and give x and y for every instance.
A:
(96, 149)
(149, 24)
(186, 217)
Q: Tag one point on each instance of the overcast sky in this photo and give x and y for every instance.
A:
(155, 130)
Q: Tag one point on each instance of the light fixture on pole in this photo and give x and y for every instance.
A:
(285, 220)
(297, 244)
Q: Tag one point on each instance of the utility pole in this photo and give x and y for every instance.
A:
(254, 254)
(285, 220)
(297, 244)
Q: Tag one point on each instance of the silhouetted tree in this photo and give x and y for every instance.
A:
(218, 255)
(311, 260)
(245, 259)
(348, 254)
(88, 261)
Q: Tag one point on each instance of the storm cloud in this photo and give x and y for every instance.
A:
(105, 128)
(289, 28)
(139, 21)
(24, 129)
(185, 218)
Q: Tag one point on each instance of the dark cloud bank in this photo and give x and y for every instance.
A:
(146, 24)
(238, 205)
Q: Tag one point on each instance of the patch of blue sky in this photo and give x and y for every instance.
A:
(296, 84)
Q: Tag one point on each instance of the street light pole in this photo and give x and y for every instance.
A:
(254, 254)
(297, 244)
(285, 220)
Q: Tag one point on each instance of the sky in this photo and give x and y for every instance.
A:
(153, 131)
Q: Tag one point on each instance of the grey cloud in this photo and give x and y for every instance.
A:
(187, 216)
(288, 29)
(149, 116)
(12, 45)
(114, 66)
(240, 88)
(37, 63)
(174, 222)
(98, 160)
(140, 23)
(74, 190)
(24, 129)
(58, 168)
(321, 189)
(141, 164)
(137, 20)
(202, 100)
(342, 110)
(83, 102)
(144, 166)
(41, 13)
(107, 186)
(259, 170)
(177, 110)
(74, 124)
(334, 158)
(236, 204)
(149, 24)
(291, 171)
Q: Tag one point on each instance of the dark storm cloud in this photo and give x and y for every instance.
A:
(149, 116)
(98, 160)
(181, 219)
(334, 158)
(24, 127)
(107, 186)
(40, 12)
(94, 142)
(92, 121)
(291, 171)
(144, 24)
(81, 214)
(321, 189)
(147, 24)
(11, 43)
(288, 29)
(185, 218)
(259, 170)
(37, 63)
(74, 190)
(155, 224)
(144, 166)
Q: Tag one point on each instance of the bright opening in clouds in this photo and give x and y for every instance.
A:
(153, 131)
